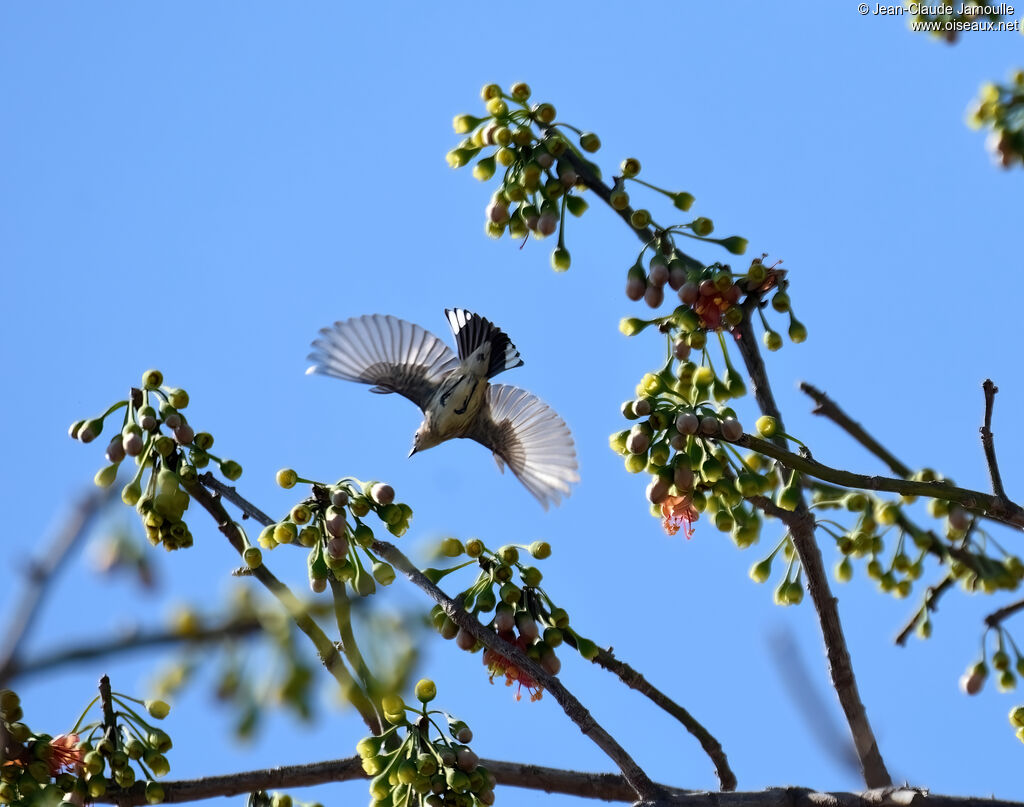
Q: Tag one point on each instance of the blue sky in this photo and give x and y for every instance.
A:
(201, 187)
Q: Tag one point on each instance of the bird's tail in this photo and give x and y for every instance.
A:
(472, 330)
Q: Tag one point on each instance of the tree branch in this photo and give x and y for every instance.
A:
(326, 649)
(132, 643)
(996, 617)
(641, 784)
(1002, 510)
(826, 407)
(801, 526)
(987, 443)
(604, 786)
(41, 572)
(634, 680)
(931, 604)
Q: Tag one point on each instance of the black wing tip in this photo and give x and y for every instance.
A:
(472, 330)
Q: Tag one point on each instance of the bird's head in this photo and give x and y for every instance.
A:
(423, 439)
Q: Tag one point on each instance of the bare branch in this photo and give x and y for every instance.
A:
(996, 617)
(634, 680)
(931, 603)
(641, 784)
(604, 786)
(826, 407)
(801, 526)
(132, 643)
(987, 443)
(41, 572)
(997, 509)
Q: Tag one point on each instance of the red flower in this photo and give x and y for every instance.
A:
(678, 511)
(498, 665)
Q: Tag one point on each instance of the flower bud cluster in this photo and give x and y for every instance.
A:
(417, 762)
(507, 597)
(1005, 661)
(685, 449)
(330, 524)
(1000, 109)
(155, 433)
(713, 300)
(84, 764)
(522, 142)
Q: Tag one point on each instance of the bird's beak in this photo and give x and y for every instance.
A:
(412, 451)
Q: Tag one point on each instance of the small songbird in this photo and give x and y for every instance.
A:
(455, 393)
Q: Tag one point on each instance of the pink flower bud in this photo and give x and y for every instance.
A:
(659, 274)
(687, 423)
(682, 478)
(654, 296)
(116, 450)
(709, 425)
(549, 661)
(547, 223)
(465, 640)
(689, 293)
(131, 444)
(527, 627)
(732, 429)
(637, 442)
(676, 277)
(183, 435)
(635, 288)
(657, 490)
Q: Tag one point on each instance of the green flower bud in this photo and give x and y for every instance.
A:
(426, 690)
(178, 398)
(844, 570)
(760, 572)
(105, 477)
(587, 648)
(702, 226)
(683, 200)
(231, 470)
(767, 426)
(590, 142)
(734, 244)
(253, 557)
(520, 91)
(560, 259)
(772, 340)
(544, 113)
(484, 169)
(451, 547)
(158, 709)
(576, 205)
(152, 379)
(285, 532)
(631, 326)
(540, 549)
(383, 573)
(464, 124)
(640, 218)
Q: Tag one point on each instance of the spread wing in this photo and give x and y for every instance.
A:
(527, 434)
(390, 353)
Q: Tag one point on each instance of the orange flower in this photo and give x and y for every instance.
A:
(64, 754)
(498, 665)
(678, 511)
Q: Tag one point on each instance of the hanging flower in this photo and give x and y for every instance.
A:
(498, 665)
(678, 511)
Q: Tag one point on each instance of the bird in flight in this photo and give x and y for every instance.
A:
(455, 392)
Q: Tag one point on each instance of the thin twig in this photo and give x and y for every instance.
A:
(326, 650)
(826, 407)
(1001, 510)
(801, 525)
(107, 707)
(41, 572)
(634, 680)
(644, 788)
(931, 604)
(132, 643)
(996, 617)
(987, 443)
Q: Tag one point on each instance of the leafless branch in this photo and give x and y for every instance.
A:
(826, 407)
(604, 786)
(987, 443)
(641, 784)
(131, 643)
(41, 571)
(801, 526)
(931, 603)
(994, 619)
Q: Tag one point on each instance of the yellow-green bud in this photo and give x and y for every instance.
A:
(426, 690)
(151, 379)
